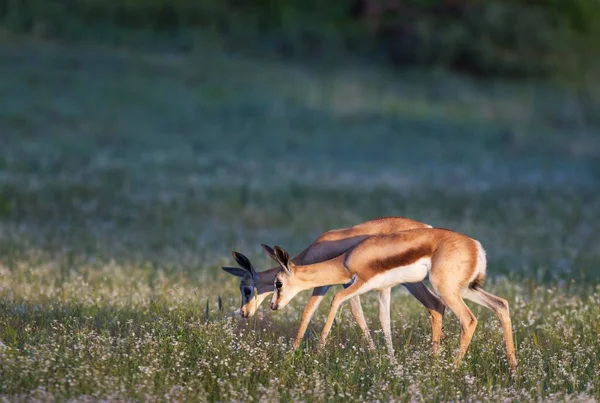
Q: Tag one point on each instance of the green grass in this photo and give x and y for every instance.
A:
(126, 179)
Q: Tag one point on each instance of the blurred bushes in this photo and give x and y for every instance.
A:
(488, 38)
(493, 38)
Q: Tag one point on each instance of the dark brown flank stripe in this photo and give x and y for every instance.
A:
(401, 259)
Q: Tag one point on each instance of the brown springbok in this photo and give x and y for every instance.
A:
(256, 286)
(455, 264)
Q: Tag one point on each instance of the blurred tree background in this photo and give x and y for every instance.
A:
(511, 38)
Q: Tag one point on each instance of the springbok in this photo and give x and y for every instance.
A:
(455, 264)
(256, 286)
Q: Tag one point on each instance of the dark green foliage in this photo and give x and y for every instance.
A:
(491, 38)
(508, 38)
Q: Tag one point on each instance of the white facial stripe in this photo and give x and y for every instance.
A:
(288, 294)
(274, 297)
(259, 299)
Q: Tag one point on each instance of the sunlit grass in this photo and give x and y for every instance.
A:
(127, 332)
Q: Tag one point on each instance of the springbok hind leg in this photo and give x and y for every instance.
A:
(500, 307)
(468, 322)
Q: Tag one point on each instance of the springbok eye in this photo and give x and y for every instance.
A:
(247, 292)
(278, 285)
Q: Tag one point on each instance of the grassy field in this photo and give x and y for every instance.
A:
(127, 178)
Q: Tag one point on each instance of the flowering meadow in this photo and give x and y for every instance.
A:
(128, 177)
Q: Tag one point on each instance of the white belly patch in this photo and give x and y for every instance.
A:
(412, 273)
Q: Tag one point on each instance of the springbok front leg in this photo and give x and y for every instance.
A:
(314, 302)
(384, 318)
(337, 301)
(436, 310)
(309, 310)
(359, 316)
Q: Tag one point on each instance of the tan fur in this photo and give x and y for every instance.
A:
(457, 265)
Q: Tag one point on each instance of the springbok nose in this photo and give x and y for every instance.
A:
(273, 306)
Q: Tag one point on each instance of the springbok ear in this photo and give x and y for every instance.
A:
(283, 258)
(269, 251)
(236, 271)
(273, 255)
(245, 263)
(282, 255)
(241, 259)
